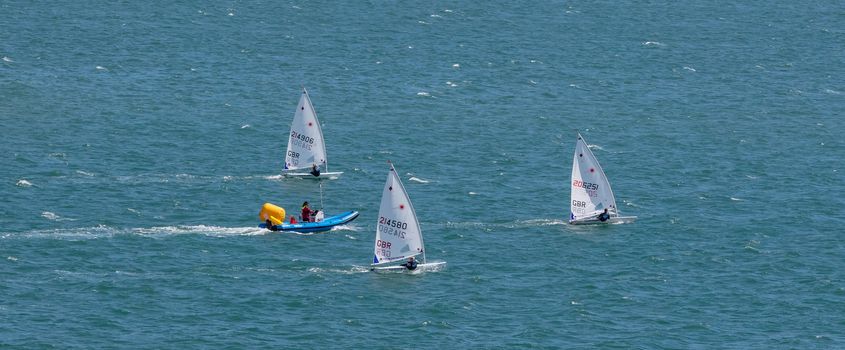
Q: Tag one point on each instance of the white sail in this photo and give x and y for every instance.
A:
(305, 144)
(398, 234)
(591, 192)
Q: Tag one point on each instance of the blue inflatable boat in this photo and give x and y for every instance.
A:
(323, 225)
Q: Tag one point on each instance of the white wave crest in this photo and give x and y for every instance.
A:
(418, 180)
(50, 216)
(23, 183)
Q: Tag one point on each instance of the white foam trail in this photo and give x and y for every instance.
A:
(73, 233)
(423, 93)
(347, 227)
(85, 173)
(213, 231)
(245, 126)
(101, 68)
(418, 180)
(50, 216)
(354, 269)
(7, 59)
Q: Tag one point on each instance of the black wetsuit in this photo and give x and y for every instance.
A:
(604, 217)
(315, 171)
(410, 265)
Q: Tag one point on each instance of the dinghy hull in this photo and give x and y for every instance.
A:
(399, 268)
(307, 175)
(613, 220)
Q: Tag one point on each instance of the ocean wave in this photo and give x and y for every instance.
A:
(23, 183)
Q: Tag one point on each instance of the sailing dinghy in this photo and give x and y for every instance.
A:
(306, 146)
(591, 193)
(398, 234)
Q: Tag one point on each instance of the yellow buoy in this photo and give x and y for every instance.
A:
(272, 212)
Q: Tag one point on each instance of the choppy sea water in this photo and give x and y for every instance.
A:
(139, 140)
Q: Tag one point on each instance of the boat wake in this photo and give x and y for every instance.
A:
(517, 224)
(354, 270)
(103, 231)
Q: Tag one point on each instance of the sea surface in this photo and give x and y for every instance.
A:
(139, 139)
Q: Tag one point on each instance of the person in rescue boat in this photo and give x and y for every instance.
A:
(306, 212)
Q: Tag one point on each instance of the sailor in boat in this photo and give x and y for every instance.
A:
(411, 264)
(270, 225)
(604, 216)
(315, 170)
(307, 212)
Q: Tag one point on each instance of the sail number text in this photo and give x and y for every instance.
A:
(304, 138)
(590, 187)
(392, 227)
(585, 185)
(579, 207)
(383, 248)
(300, 140)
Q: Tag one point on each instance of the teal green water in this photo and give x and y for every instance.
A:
(139, 140)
